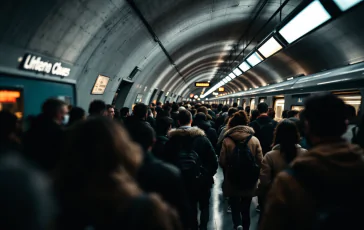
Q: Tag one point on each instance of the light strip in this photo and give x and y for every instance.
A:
(346, 4)
(237, 72)
(308, 19)
(329, 82)
(232, 75)
(270, 47)
(254, 59)
(244, 66)
(228, 78)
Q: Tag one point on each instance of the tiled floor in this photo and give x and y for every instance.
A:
(219, 218)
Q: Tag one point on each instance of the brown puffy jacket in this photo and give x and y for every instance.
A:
(332, 171)
(238, 134)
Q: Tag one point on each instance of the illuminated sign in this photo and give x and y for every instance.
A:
(100, 85)
(221, 89)
(202, 84)
(215, 93)
(9, 96)
(38, 64)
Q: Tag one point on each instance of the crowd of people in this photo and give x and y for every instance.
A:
(153, 167)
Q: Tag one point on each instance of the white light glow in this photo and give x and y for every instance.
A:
(329, 82)
(244, 66)
(225, 81)
(228, 78)
(270, 47)
(346, 4)
(232, 75)
(254, 59)
(237, 72)
(308, 19)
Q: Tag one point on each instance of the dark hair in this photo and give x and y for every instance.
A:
(287, 136)
(202, 109)
(247, 109)
(97, 107)
(143, 134)
(262, 107)
(109, 106)
(163, 125)
(124, 111)
(235, 104)
(193, 111)
(52, 106)
(184, 117)
(350, 112)
(239, 118)
(240, 108)
(140, 111)
(200, 117)
(76, 114)
(232, 111)
(159, 103)
(255, 115)
(225, 108)
(285, 114)
(208, 106)
(326, 115)
(8, 123)
(175, 107)
(292, 113)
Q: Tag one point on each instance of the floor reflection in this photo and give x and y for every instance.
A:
(219, 218)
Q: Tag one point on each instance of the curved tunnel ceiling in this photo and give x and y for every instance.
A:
(108, 37)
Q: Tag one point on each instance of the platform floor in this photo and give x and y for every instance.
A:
(220, 219)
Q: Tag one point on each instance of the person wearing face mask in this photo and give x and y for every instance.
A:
(44, 139)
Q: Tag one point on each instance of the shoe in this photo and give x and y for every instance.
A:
(228, 209)
(239, 227)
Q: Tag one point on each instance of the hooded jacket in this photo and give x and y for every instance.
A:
(238, 134)
(199, 143)
(331, 172)
(209, 131)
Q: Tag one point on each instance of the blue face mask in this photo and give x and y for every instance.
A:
(66, 118)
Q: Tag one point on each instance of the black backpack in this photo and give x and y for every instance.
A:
(340, 213)
(265, 133)
(242, 167)
(190, 164)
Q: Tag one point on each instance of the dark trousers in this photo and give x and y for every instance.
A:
(240, 211)
(201, 200)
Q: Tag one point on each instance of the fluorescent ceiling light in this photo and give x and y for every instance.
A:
(308, 19)
(237, 72)
(244, 66)
(346, 4)
(228, 78)
(225, 81)
(270, 47)
(232, 75)
(329, 82)
(254, 59)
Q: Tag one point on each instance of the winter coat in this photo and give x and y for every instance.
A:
(265, 136)
(199, 143)
(238, 134)
(332, 171)
(273, 163)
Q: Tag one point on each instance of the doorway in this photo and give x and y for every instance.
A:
(121, 94)
(153, 95)
(159, 96)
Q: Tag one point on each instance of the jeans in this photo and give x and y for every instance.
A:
(240, 211)
(202, 199)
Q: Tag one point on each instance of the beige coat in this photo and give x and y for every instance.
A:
(238, 133)
(273, 163)
(334, 170)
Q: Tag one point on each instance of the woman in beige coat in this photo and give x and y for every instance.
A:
(239, 200)
(285, 150)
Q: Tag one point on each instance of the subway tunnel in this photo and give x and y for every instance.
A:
(125, 52)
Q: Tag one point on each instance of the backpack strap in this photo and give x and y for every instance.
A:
(137, 211)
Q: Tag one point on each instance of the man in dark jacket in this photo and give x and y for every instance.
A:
(164, 124)
(44, 140)
(157, 176)
(201, 122)
(196, 140)
(264, 127)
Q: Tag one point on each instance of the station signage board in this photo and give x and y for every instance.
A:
(202, 84)
(100, 85)
(38, 64)
(221, 89)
